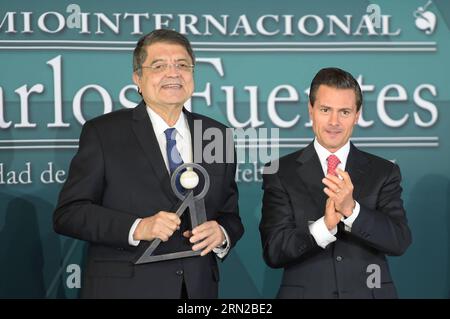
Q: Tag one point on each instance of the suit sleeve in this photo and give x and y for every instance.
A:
(385, 228)
(229, 214)
(79, 212)
(283, 240)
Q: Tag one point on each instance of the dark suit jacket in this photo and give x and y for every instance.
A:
(118, 175)
(294, 196)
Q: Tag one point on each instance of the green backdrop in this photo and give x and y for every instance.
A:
(55, 73)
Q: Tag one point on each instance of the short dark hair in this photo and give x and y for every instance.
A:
(338, 79)
(159, 35)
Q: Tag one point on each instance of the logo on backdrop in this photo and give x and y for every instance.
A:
(425, 20)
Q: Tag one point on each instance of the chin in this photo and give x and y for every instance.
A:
(175, 101)
(333, 146)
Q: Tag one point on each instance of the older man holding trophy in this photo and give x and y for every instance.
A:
(148, 236)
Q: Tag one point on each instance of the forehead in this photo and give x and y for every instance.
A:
(166, 50)
(334, 97)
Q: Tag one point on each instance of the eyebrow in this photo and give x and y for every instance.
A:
(165, 60)
(339, 109)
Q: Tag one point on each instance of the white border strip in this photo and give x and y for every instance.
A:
(36, 147)
(363, 46)
(41, 141)
(401, 138)
(322, 43)
(403, 141)
(316, 49)
(290, 139)
(40, 147)
(431, 49)
(356, 144)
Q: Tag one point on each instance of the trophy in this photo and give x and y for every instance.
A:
(189, 180)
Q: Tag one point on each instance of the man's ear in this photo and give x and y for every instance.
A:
(136, 78)
(357, 116)
(310, 110)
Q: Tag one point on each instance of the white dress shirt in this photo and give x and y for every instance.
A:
(318, 229)
(184, 147)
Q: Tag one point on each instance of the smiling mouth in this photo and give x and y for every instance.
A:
(172, 86)
(333, 133)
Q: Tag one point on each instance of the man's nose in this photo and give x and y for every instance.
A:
(172, 70)
(334, 118)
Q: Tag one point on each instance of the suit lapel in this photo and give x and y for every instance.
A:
(143, 129)
(190, 121)
(198, 145)
(357, 166)
(310, 173)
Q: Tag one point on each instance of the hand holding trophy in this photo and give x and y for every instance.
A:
(189, 180)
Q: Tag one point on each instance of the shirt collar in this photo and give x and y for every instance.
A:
(341, 153)
(159, 125)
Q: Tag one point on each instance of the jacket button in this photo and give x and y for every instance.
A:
(179, 272)
(339, 258)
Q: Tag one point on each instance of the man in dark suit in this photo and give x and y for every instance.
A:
(118, 195)
(331, 213)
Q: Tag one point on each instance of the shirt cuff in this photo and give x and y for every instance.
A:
(348, 222)
(321, 234)
(131, 240)
(223, 251)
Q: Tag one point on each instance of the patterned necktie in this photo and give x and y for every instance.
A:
(173, 156)
(333, 162)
